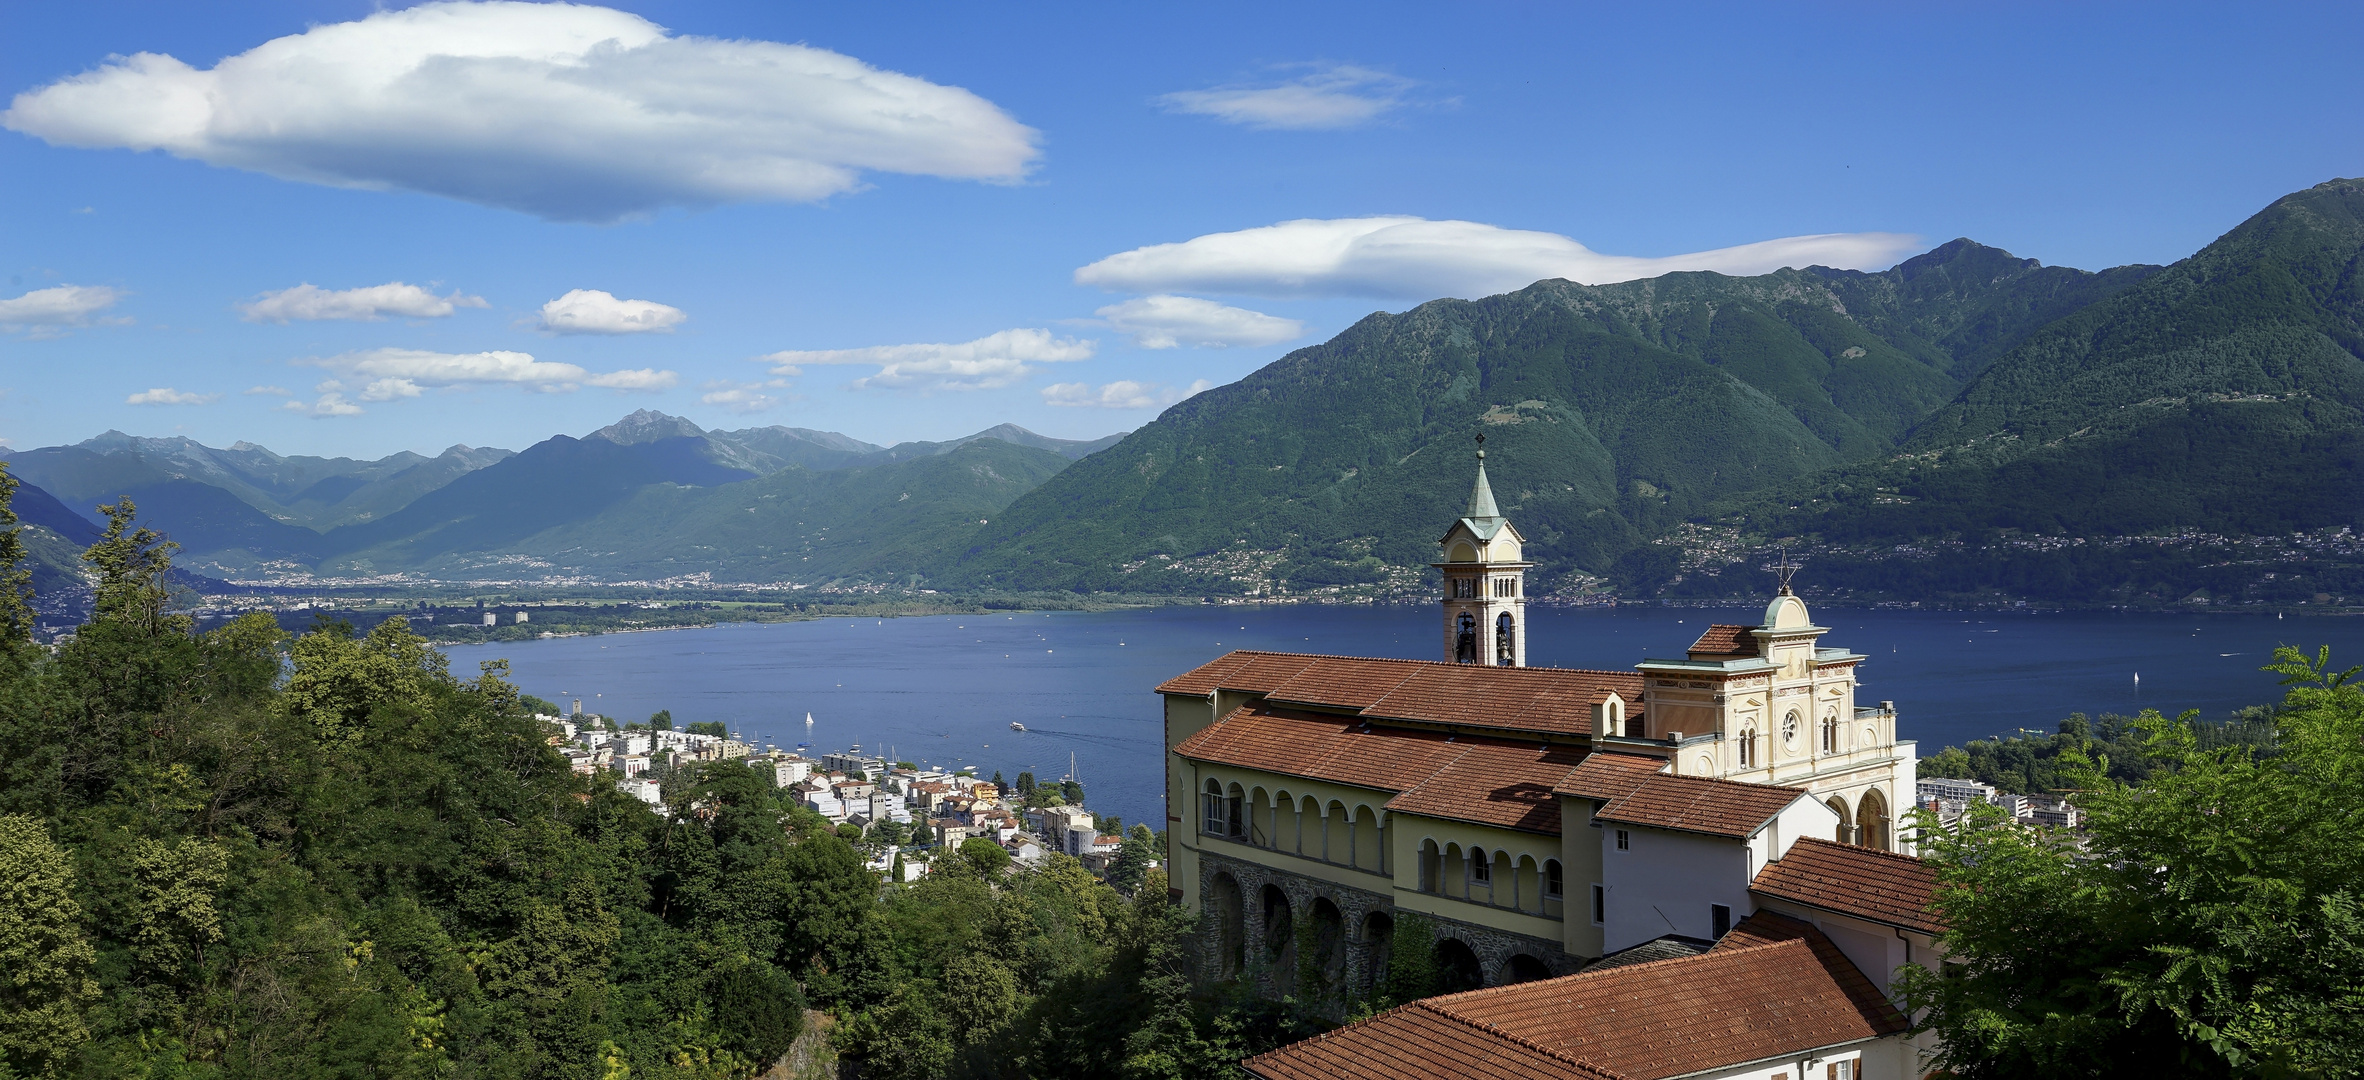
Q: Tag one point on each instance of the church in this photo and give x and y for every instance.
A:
(1666, 832)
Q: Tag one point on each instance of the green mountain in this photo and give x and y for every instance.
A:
(2224, 394)
(890, 521)
(312, 492)
(1613, 413)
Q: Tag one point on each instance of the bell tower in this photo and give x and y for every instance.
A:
(1485, 582)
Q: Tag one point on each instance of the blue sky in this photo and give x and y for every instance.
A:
(917, 222)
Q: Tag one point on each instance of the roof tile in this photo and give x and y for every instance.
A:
(1877, 885)
(1700, 805)
(1724, 641)
(1609, 775)
(1542, 700)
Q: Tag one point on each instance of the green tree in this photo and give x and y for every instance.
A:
(132, 565)
(2209, 921)
(984, 856)
(715, 728)
(661, 720)
(45, 962)
(1072, 792)
(338, 681)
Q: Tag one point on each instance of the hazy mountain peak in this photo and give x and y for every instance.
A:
(647, 425)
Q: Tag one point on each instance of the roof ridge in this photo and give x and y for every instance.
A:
(1520, 1040)
(1621, 969)
(1899, 856)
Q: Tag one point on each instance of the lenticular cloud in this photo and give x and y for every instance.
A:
(563, 111)
(1415, 258)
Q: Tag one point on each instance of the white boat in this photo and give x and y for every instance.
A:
(1016, 726)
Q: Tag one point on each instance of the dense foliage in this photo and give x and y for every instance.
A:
(2207, 921)
(2120, 746)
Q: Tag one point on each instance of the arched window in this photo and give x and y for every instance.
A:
(1830, 733)
(1465, 640)
(1211, 815)
(1506, 633)
(1871, 820)
(1481, 868)
(1748, 748)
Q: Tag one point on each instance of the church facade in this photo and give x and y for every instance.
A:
(1536, 819)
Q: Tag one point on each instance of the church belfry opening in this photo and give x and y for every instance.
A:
(1485, 581)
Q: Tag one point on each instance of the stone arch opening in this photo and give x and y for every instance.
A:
(1838, 805)
(1280, 934)
(1871, 820)
(1506, 637)
(1337, 835)
(1465, 643)
(1325, 944)
(1369, 843)
(1525, 968)
(1231, 931)
(1232, 813)
(1457, 967)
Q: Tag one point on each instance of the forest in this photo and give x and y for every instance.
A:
(240, 853)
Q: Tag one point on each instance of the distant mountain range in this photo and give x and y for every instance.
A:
(1967, 426)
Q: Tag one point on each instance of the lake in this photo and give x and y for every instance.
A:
(944, 689)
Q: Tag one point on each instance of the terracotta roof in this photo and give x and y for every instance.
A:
(1723, 640)
(1552, 700)
(1877, 885)
(1418, 1040)
(1505, 784)
(1460, 778)
(1773, 987)
(1700, 805)
(1609, 775)
(1782, 988)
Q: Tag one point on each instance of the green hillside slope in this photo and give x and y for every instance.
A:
(1613, 412)
(884, 522)
(2223, 395)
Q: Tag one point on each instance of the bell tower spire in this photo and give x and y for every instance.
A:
(1485, 586)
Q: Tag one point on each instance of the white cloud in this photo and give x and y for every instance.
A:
(1164, 322)
(1330, 96)
(330, 404)
(590, 311)
(394, 374)
(1122, 394)
(992, 361)
(45, 310)
(565, 111)
(165, 395)
(1414, 258)
(273, 391)
(738, 397)
(308, 302)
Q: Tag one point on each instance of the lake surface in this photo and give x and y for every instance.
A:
(944, 689)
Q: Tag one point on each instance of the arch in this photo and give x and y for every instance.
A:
(1555, 888)
(1325, 945)
(1284, 821)
(1379, 934)
(1457, 967)
(1477, 874)
(1506, 641)
(1525, 968)
(1462, 552)
(1505, 875)
(1337, 834)
(1830, 733)
(1231, 931)
(1871, 820)
(1280, 933)
(1370, 848)
(1748, 748)
(1259, 817)
(1234, 813)
(1210, 816)
(1529, 876)
(1432, 866)
(1838, 805)
(1453, 871)
(1465, 639)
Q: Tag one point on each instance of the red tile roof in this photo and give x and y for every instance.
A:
(1460, 778)
(1877, 885)
(1700, 805)
(1543, 700)
(1609, 775)
(1418, 1040)
(1773, 987)
(1723, 641)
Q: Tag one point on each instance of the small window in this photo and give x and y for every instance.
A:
(1748, 748)
(1789, 729)
(1600, 905)
(1830, 734)
(1481, 869)
(1840, 1070)
(1624, 840)
(1551, 878)
(1719, 920)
